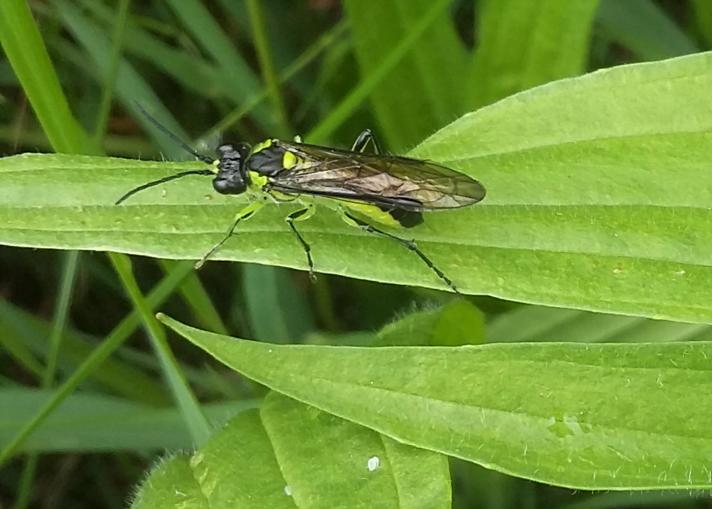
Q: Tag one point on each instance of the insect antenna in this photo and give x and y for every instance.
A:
(174, 136)
(182, 144)
(161, 181)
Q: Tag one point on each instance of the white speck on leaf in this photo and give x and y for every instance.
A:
(373, 463)
(288, 490)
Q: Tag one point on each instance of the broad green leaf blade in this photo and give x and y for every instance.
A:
(171, 484)
(268, 458)
(598, 191)
(366, 468)
(426, 89)
(456, 323)
(598, 198)
(576, 415)
(523, 44)
(237, 467)
(73, 197)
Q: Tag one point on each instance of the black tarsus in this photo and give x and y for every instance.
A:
(161, 181)
(226, 237)
(305, 245)
(362, 142)
(410, 245)
(174, 136)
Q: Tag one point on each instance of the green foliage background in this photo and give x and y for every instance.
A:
(598, 202)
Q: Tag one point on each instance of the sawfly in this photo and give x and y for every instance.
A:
(365, 188)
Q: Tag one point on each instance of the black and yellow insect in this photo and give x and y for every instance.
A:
(365, 188)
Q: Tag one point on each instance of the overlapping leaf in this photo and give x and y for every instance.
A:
(578, 415)
(598, 198)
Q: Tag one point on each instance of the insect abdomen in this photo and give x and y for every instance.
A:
(393, 218)
(406, 218)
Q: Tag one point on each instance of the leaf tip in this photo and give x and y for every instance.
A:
(166, 320)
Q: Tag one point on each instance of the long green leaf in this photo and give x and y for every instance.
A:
(115, 375)
(703, 17)
(23, 45)
(131, 88)
(644, 28)
(92, 362)
(578, 415)
(522, 44)
(537, 323)
(425, 90)
(208, 33)
(195, 420)
(598, 190)
(87, 422)
(191, 71)
(276, 310)
(373, 79)
(598, 198)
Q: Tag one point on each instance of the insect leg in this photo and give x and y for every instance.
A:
(245, 213)
(362, 142)
(409, 244)
(303, 215)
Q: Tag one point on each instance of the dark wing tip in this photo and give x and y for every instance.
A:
(477, 191)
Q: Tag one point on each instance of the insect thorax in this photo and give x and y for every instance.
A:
(270, 157)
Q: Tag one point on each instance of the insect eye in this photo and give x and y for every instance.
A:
(230, 184)
(226, 149)
(229, 154)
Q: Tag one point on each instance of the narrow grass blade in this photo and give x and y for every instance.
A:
(522, 44)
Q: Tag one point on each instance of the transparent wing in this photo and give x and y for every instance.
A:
(386, 180)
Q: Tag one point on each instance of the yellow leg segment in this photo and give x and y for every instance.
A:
(244, 214)
(409, 244)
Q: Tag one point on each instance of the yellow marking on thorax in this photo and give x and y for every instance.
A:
(290, 160)
(262, 146)
(257, 181)
(374, 213)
